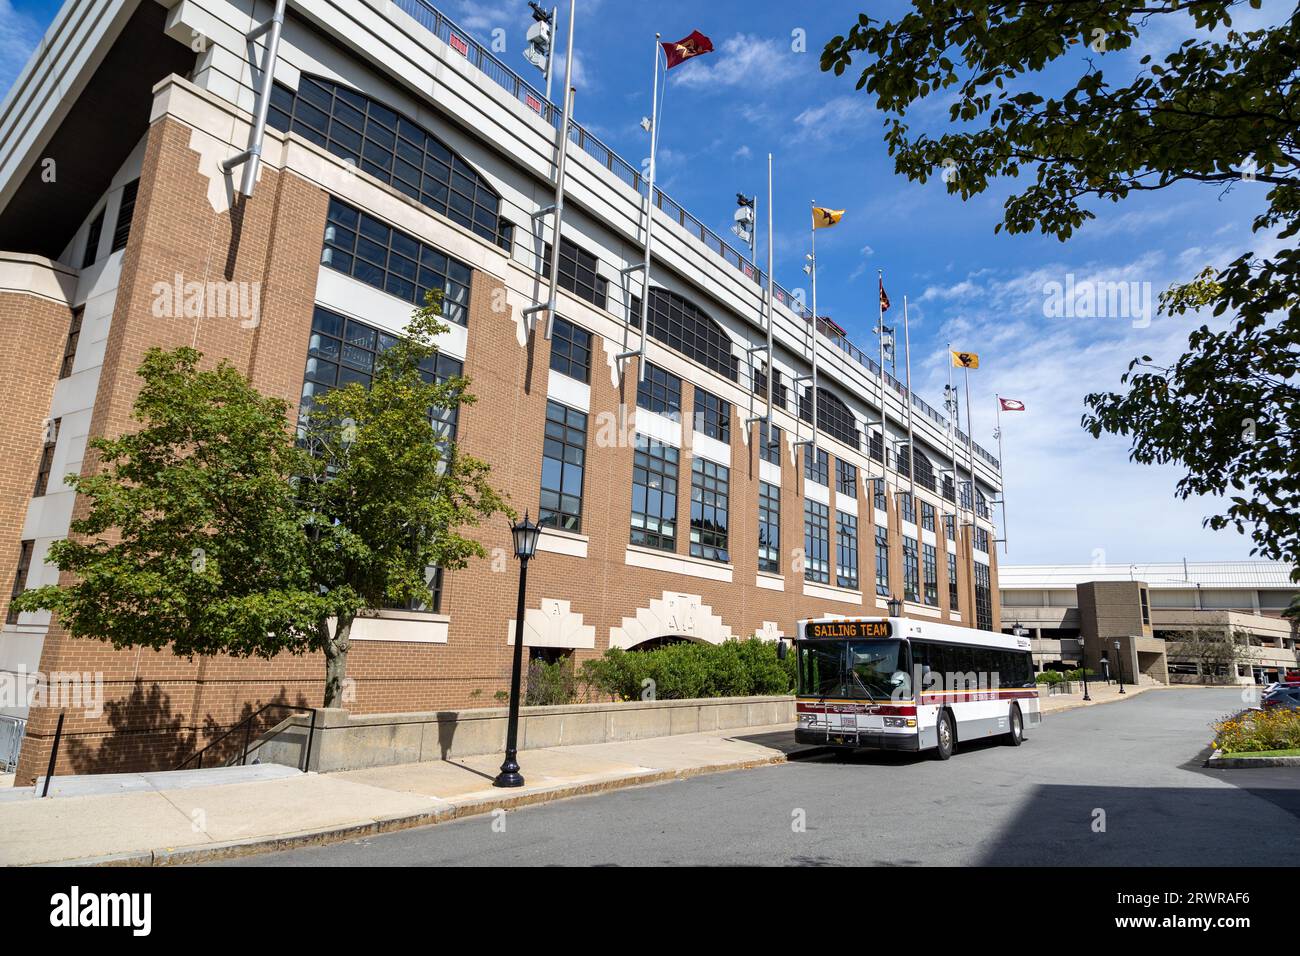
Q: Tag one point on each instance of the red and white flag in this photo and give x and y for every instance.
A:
(1011, 405)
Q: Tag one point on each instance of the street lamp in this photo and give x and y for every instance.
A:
(525, 535)
(1083, 667)
(1119, 668)
(895, 607)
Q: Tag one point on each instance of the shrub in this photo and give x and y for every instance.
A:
(1077, 674)
(1257, 730)
(1050, 677)
(682, 671)
(550, 684)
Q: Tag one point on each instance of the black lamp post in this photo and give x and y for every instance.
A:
(1083, 666)
(525, 534)
(1119, 668)
(895, 607)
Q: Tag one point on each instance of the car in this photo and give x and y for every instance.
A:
(1278, 684)
(1284, 698)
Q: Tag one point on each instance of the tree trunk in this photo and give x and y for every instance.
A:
(336, 658)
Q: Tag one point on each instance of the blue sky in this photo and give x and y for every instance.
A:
(1070, 498)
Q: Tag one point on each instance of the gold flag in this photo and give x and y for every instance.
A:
(822, 218)
(965, 360)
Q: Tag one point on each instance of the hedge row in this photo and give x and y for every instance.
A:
(682, 671)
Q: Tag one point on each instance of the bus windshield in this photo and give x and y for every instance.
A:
(866, 670)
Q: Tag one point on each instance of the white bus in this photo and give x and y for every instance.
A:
(902, 684)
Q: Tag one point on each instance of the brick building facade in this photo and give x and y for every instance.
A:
(453, 160)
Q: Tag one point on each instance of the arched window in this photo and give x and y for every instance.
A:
(680, 325)
(925, 476)
(393, 149)
(833, 416)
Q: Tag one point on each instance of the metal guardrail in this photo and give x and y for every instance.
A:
(11, 741)
(247, 726)
(433, 20)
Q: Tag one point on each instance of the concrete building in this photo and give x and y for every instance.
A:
(402, 155)
(1149, 606)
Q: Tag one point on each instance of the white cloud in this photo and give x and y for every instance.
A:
(1068, 494)
(19, 34)
(742, 152)
(841, 114)
(742, 60)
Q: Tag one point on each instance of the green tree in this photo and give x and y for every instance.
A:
(1223, 107)
(215, 528)
(388, 492)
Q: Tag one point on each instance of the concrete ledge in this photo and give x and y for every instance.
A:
(505, 801)
(1217, 761)
(345, 741)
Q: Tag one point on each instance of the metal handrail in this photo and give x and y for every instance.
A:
(247, 725)
(446, 30)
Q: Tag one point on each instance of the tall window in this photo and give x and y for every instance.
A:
(846, 550)
(981, 504)
(769, 527)
(394, 150)
(47, 458)
(878, 493)
(907, 507)
(125, 213)
(833, 416)
(343, 350)
(571, 350)
(846, 478)
(982, 540)
(953, 603)
(564, 459)
(924, 471)
(882, 562)
(712, 416)
(911, 571)
(769, 442)
(660, 391)
(92, 239)
(680, 325)
(432, 603)
(654, 494)
(949, 492)
(927, 516)
(778, 389)
(930, 574)
(816, 465)
(709, 502)
(70, 346)
(965, 495)
(578, 273)
(816, 542)
(950, 527)
(365, 248)
(983, 598)
(20, 578)
(876, 446)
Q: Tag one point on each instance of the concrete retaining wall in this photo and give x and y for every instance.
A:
(345, 741)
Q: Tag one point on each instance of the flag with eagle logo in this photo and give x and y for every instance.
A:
(965, 359)
(824, 218)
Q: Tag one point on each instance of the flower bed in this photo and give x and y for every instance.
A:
(1258, 732)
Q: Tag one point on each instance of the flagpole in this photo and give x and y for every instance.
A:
(649, 212)
(954, 426)
(970, 449)
(880, 338)
(813, 235)
(911, 444)
(998, 398)
(771, 366)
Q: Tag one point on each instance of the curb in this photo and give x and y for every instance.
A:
(208, 853)
(1217, 761)
(1097, 703)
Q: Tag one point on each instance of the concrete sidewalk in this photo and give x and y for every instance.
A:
(193, 824)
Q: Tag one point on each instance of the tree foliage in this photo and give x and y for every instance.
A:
(1220, 109)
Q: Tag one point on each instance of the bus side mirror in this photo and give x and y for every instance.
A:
(782, 650)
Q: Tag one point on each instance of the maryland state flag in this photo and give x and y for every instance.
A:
(683, 50)
(884, 298)
(965, 360)
(824, 218)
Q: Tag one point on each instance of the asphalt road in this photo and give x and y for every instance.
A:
(1118, 784)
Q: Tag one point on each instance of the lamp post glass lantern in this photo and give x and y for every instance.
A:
(895, 607)
(525, 534)
(1119, 668)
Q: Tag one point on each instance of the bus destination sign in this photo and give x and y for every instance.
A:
(848, 629)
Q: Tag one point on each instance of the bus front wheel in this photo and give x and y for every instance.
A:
(1016, 733)
(947, 736)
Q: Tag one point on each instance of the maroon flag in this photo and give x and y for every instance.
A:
(683, 50)
(884, 297)
(1011, 405)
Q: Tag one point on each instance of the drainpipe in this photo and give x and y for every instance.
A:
(251, 158)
